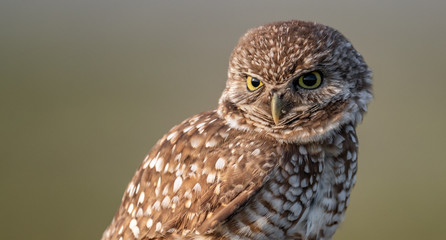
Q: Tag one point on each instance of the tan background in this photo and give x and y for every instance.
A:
(87, 87)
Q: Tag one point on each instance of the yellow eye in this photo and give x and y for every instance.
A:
(253, 83)
(310, 80)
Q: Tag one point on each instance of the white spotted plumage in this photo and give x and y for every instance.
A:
(246, 171)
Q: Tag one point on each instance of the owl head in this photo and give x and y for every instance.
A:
(295, 81)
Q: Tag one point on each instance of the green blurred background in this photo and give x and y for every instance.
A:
(87, 88)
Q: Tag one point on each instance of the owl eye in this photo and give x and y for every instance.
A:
(310, 80)
(253, 83)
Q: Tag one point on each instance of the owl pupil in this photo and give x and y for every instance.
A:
(310, 79)
(255, 82)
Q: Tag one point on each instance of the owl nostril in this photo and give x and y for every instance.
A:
(279, 93)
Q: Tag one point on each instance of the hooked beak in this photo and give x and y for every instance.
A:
(276, 107)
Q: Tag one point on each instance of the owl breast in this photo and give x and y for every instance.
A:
(307, 194)
(206, 180)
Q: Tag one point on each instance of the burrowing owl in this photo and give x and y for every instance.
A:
(276, 160)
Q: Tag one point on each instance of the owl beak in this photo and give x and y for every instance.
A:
(276, 107)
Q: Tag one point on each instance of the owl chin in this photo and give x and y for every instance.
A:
(319, 132)
(317, 129)
(307, 134)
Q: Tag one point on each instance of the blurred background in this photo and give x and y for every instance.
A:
(88, 87)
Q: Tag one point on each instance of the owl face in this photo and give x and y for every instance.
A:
(296, 81)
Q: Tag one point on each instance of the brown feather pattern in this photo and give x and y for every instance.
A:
(232, 173)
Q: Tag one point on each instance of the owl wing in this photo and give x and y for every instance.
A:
(194, 178)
